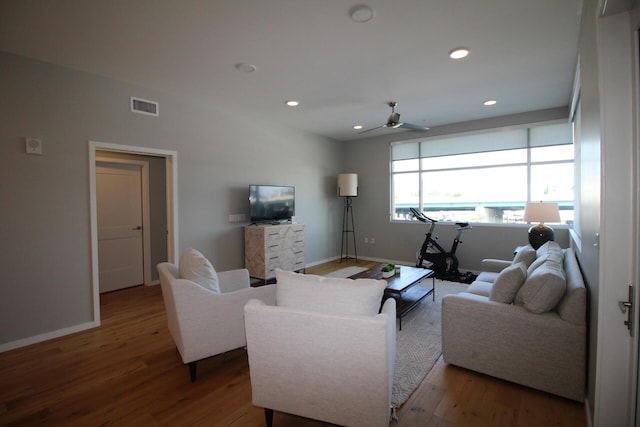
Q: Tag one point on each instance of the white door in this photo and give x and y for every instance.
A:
(615, 361)
(119, 206)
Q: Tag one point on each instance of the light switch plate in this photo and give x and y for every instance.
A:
(33, 146)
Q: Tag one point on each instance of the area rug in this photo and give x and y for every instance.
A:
(346, 272)
(418, 344)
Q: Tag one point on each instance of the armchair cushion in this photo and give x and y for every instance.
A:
(329, 295)
(196, 268)
(508, 282)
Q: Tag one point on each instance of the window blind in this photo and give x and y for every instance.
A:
(495, 140)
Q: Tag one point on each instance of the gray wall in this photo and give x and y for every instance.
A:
(44, 216)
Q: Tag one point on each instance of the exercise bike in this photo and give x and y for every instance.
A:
(433, 256)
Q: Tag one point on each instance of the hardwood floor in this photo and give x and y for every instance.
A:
(128, 372)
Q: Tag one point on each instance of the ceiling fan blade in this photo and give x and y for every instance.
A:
(369, 130)
(412, 127)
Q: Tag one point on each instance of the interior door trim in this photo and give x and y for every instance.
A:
(171, 162)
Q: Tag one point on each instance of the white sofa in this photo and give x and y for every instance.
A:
(205, 322)
(523, 324)
(324, 351)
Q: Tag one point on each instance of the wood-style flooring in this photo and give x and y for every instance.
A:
(127, 372)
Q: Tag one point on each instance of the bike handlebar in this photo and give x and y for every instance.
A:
(421, 216)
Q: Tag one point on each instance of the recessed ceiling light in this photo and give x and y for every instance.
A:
(459, 53)
(357, 127)
(490, 102)
(245, 67)
(362, 13)
(292, 103)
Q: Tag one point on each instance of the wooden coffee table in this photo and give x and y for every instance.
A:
(402, 286)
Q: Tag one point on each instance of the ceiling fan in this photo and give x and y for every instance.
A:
(394, 122)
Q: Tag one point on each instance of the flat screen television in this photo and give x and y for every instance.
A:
(272, 203)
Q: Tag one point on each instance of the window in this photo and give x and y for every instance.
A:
(484, 177)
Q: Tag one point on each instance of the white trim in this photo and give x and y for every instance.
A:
(47, 336)
(171, 159)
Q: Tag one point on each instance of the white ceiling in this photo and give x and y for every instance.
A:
(523, 54)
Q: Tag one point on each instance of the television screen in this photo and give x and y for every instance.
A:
(271, 203)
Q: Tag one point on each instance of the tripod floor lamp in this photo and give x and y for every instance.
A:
(348, 188)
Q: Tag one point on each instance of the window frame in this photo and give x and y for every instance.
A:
(529, 164)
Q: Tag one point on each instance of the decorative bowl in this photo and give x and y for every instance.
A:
(387, 274)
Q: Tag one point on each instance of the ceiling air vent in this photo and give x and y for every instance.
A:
(144, 106)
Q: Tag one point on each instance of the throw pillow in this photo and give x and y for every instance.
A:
(195, 267)
(329, 295)
(508, 283)
(526, 255)
(543, 289)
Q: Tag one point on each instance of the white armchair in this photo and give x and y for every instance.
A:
(205, 323)
(324, 352)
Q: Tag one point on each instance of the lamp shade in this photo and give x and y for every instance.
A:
(348, 184)
(542, 212)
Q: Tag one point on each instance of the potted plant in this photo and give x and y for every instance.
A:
(388, 271)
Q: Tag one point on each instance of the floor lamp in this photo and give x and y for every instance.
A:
(348, 188)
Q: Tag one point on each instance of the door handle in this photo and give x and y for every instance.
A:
(137, 228)
(627, 307)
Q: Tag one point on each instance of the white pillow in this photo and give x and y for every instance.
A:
(508, 283)
(329, 295)
(526, 254)
(543, 289)
(195, 267)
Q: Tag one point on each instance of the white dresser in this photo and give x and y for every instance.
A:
(267, 247)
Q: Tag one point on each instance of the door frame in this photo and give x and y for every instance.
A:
(171, 165)
(146, 221)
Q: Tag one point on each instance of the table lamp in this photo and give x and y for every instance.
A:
(541, 212)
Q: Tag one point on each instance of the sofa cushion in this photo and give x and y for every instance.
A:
(195, 267)
(329, 295)
(543, 289)
(525, 254)
(549, 247)
(488, 276)
(479, 287)
(573, 307)
(550, 252)
(508, 283)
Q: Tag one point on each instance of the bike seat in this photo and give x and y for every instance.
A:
(462, 224)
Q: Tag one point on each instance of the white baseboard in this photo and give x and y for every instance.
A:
(47, 336)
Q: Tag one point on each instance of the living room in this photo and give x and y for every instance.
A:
(221, 150)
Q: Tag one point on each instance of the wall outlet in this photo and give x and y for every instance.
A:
(366, 240)
(372, 240)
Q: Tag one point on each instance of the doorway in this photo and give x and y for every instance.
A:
(121, 155)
